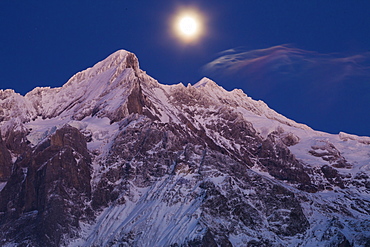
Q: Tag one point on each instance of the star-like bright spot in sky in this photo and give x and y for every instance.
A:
(188, 25)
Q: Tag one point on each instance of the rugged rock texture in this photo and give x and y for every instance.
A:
(44, 198)
(5, 161)
(113, 158)
(328, 152)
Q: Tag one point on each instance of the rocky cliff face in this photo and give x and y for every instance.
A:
(113, 158)
(5, 162)
(45, 197)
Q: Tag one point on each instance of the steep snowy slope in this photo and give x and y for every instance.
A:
(114, 158)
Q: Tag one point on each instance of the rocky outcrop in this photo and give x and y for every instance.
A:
(138, 103)
(328, 152)
(281, 163)
(46, 194)
(5, 161)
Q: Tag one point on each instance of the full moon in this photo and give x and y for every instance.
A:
(188, 26)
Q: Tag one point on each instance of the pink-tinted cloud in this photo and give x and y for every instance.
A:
(287, 62)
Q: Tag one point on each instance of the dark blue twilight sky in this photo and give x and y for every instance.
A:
(307, 59)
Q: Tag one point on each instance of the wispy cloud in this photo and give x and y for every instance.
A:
(288, 62)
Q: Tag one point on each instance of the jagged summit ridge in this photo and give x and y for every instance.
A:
(104, 88)
(87, 89)
(114, 158)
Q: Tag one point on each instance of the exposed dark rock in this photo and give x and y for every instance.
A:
(137, 103)
(16, 141)
(207, 240)
(132, 62)
(45, 196)
(328, 152)
(5, 161)
(289, 139)
(332, 176)
(261, 243)
(281, 163)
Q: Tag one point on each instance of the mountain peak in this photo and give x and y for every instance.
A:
(205, 82)
(119, 53)
(117, 61)
(123, 58)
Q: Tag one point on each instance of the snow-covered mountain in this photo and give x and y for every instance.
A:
(114, 158)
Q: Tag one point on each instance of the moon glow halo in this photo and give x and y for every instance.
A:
(188, 26)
